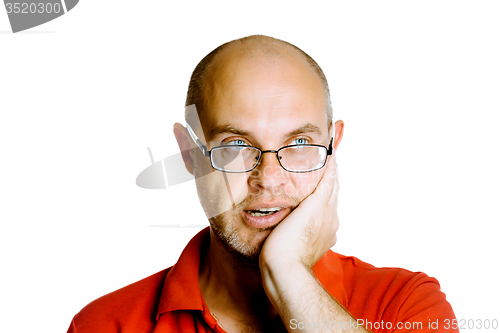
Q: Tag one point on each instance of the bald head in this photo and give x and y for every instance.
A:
(242, 58)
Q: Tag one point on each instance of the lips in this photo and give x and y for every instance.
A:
(264, 211)
(268, 204)
(265, 214)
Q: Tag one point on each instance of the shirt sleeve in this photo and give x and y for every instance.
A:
(72, 327)
(425, 309)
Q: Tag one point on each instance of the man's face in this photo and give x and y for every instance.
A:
(266, 102)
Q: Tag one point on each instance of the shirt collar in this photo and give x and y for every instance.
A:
(181, 290)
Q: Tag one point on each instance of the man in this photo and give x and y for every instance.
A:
(261, 144)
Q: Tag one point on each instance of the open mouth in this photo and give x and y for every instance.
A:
(264, 211)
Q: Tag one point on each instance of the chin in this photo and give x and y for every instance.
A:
(244, 242)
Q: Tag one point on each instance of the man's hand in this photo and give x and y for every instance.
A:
(291, 250)
(309, 231)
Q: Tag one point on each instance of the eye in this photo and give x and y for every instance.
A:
(299, 141)
(237, 142)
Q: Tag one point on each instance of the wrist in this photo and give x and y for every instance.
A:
(284, 281)
(279, 264)
(280, 271)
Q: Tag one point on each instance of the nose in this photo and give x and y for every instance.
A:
(269, 175)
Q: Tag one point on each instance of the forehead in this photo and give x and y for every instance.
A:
(263, 93)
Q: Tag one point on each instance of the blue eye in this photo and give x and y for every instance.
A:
(300, 141)
(237, 143)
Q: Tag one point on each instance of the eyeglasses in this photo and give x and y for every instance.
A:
(242, 158)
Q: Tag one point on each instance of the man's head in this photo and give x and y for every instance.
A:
(261, 92)
(268, 46)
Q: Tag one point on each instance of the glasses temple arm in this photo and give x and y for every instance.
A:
(330, 147)
(200, 145)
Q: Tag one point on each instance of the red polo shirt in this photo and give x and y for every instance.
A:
(171, 300)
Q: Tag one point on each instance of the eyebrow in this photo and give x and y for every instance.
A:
(214, 132)
(307, 128)
(226, 128)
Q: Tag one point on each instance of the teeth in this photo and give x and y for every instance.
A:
(264, 211)
(269, 209)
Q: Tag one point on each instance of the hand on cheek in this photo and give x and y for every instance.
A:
(308, 232)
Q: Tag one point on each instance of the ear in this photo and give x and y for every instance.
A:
(339, 132)
(185, 145)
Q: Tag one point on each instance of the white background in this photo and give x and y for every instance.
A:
(83, 96)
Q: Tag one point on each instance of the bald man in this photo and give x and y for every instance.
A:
(260, 141)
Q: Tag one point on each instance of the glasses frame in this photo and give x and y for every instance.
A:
(208, 153)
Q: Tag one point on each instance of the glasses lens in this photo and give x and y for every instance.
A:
(234, 158)
(302, 158)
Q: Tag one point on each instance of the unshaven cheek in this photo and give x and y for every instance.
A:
(220, 192)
